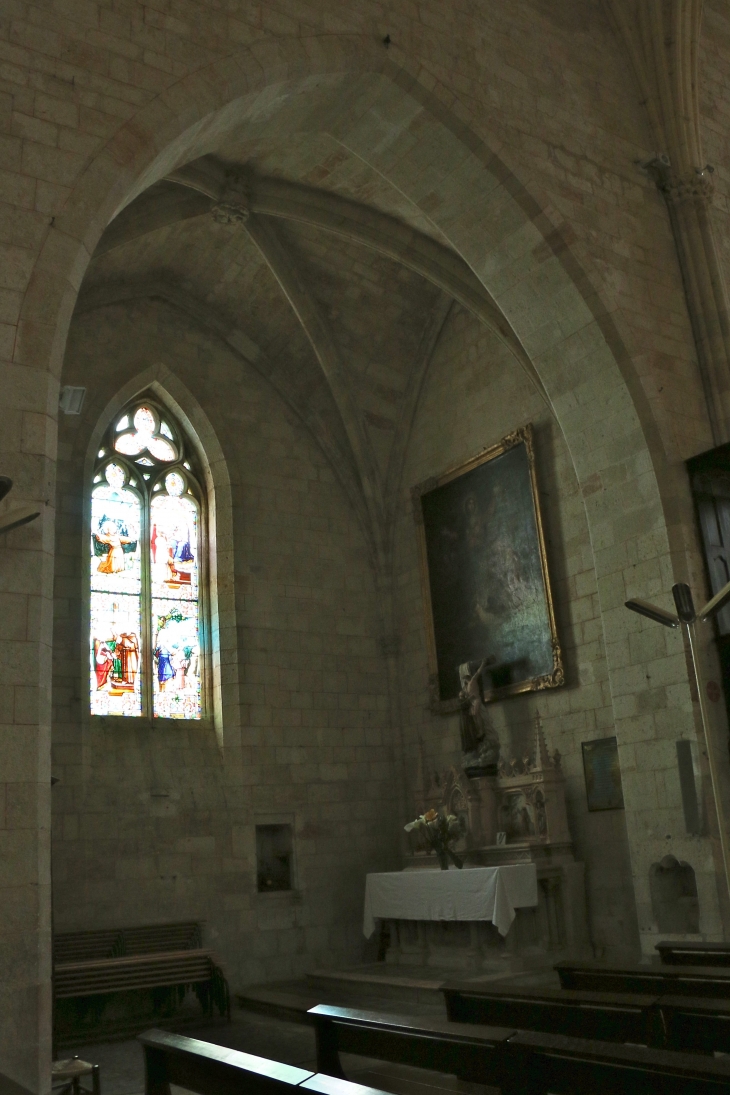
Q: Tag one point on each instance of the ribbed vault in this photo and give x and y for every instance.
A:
(338, 304)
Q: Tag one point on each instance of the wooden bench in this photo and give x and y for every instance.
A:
(682, 1023)
(461, 1048)
(694, 954)
(208, 1069)
(607, 1017)
(708, 981)
(196, 968)
(538, 1064)
(87, 946)
(518, 1062)
(696, 1024)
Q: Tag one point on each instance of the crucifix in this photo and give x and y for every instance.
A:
(686, 617)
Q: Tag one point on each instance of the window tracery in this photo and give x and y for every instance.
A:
(145, 570)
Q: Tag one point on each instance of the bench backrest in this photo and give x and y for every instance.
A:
(694, 954)
(541, 1063)
(682, 1023)
(646, 980)
(697, 1024)
(517, 1061)
(427, 1043)
(214, 1070)
(609, 1017)
(115, 942)
(132, 972)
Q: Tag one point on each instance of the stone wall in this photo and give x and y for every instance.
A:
(474, 394)
(156, 822)
(516, 130)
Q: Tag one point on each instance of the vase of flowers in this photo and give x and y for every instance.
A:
(439, 831)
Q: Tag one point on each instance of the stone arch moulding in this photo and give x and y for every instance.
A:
(353, 89)
(170, 391)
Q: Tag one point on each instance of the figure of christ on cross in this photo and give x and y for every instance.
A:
(479, 740)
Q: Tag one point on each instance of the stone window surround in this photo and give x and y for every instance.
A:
(220, 697)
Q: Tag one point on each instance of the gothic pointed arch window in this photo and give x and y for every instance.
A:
(147, 575)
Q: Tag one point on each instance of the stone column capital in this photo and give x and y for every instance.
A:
(695, 185)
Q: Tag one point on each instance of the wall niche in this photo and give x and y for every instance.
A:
(273, 858)
(674, 898)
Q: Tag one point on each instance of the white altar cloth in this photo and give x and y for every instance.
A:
(475, 893)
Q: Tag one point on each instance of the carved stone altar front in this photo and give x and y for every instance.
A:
(515, 816)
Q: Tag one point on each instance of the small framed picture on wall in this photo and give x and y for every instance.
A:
(602, 774)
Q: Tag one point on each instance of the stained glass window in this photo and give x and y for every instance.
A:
(145, 614)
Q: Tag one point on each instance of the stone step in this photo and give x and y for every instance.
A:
(410, 989)
(355, 988)
(285, 1000)
(377, 987)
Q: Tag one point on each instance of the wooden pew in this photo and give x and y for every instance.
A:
(538, 1064)
(214, 1070)
(519, 1062)
(682, 1023)
(707, 981)
(211, 1070)
(696, 1025)
(607, 1017)
(467, 1050)
(694, 954)
(146, 971)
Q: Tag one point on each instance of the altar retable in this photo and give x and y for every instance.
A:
(520, 899)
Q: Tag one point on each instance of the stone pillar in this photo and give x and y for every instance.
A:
(689, 200)
(27, 452)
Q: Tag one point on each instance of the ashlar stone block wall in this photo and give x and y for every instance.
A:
(315, 745)
(520, 143)
(474, 394)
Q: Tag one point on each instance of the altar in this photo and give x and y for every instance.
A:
(476, 894)
(518, 902)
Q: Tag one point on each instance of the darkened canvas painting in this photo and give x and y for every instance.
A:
(485, 576)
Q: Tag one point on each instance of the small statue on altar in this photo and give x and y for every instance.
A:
(479, 739)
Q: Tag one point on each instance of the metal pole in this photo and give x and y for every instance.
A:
(710, 755)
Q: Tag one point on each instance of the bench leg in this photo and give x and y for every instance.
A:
(328, 1054)
(155, 1072)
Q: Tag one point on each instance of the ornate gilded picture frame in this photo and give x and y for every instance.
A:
(484, 570)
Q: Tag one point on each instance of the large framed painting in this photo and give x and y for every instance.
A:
(489, 607)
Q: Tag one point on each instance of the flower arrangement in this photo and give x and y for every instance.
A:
(439, 831)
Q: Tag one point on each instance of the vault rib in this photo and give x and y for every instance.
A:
(280, 262)
(331, 213)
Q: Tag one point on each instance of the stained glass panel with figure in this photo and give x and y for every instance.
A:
(116, 586)
(175, 584)
(177, 668)
(174, 542)
(115, 654)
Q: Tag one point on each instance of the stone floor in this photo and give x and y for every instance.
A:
(284, 1036)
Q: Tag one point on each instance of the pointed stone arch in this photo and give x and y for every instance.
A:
(429, 149)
